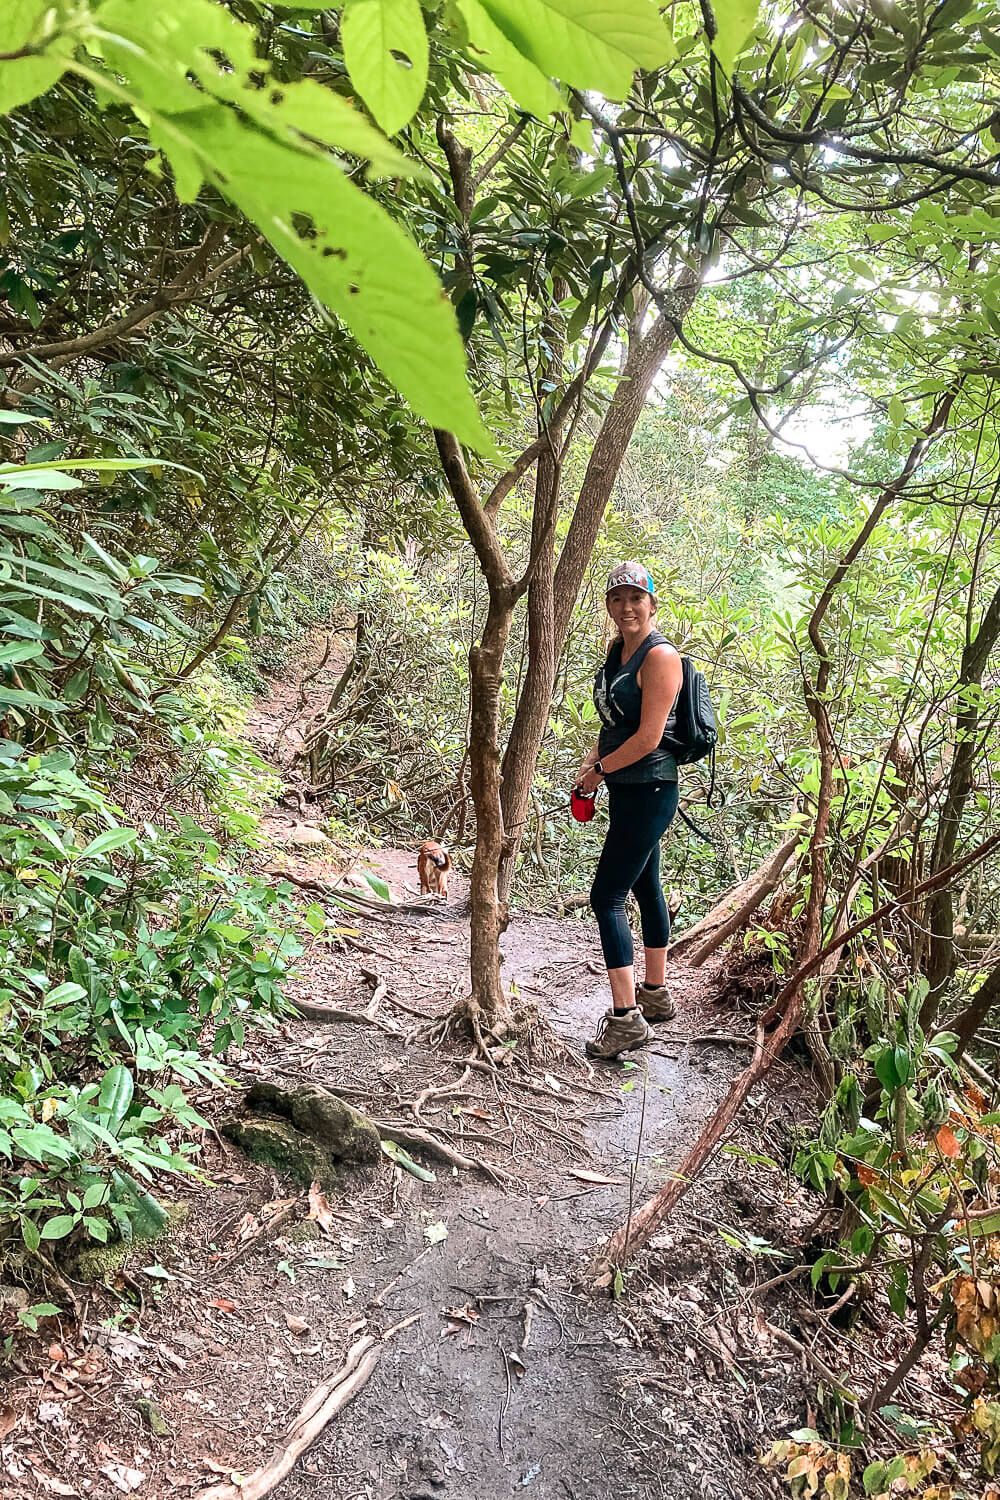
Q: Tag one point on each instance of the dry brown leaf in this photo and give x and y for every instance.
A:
(53, 1485)
(947, 1143)
(8, 1421)
(123, 1478)
(469, 1314)
(582, 1175)
(246, 1227)
(296, 1325)
(320, 1210)
(222, 1303)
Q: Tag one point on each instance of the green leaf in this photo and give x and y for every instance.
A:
(21, 651)
(95, 1194)
(385, 49)
(26, 23)
(734, 21)
(525, 82)
(32, 477)
(885, 1069)
(29, 1234)
(403, 1159)
(18, 419)
(593, 46)
(897, 411)
(58, 1227)
(104, 843)
(378, 885)
(117, 1089)
(357, 260)
(189, 36)
(66, 993)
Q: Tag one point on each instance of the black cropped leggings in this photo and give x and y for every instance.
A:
(630, 861)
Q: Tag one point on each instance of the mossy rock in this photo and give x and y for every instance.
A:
(276, 1143)
(97, 1264)
(347, 1134)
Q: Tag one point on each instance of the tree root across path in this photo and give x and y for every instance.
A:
(494, 1038)
(317, 1412)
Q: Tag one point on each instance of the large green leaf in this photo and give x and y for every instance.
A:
(593, 44)
(355, 258)
(734, 21)
(25, 23)
(158, 51)
(523, 80)
(385, 49)
(117, 1089)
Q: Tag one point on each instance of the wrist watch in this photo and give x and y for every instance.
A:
(598, 769)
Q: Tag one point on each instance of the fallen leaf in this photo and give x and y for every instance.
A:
(349, 1288)
(459, 1318)
(247, 1226)
(320, 1210)
(222, 1303)
(56, 1353)
(947, 1143)
(53, 1485)
(436, 1233)
(552, 1082)
(8, 1421)
(123, 1478)
(582, 1175)
(296, 1325)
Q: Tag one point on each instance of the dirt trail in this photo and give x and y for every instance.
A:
(517, 1377)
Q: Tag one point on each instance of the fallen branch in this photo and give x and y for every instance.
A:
(408, 1135)
(757, 896)
(310, 1010)
(317, 1412)
(262, 1232)
(742, 900)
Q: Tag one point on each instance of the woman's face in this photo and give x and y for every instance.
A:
(631, 609)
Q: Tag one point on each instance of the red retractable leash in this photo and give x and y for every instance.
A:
(581, 804)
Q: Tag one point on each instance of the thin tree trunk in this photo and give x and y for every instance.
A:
(941, 956)
(531, 714)
(968, 1021)
(487, 913)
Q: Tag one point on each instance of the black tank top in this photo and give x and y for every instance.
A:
(618, 700)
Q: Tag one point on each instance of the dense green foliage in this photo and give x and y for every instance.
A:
(233, 312)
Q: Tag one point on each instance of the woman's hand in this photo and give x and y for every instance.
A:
(588, 780)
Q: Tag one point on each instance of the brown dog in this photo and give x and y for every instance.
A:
(433, 865)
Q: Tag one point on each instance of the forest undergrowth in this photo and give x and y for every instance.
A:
(178, 1362)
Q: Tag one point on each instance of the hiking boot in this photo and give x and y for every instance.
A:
(655, 1001)
(616, 1034)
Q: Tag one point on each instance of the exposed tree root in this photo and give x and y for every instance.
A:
(311, 1010)
(423, 1140)
(495, 1038)
(318, 1411)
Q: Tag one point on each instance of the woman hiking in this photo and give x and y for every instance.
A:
(635, 692)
